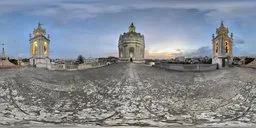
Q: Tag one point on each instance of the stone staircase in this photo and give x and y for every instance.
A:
(252, 64)
(6, 64)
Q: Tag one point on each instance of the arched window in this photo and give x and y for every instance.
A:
(131, 52)
(226, 47)
(35, 48)
(216, 47)
(45, 48)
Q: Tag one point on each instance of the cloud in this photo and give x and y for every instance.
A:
(161, 55)
(88, 9)
(87, 44)
(202, 51)
(23, 55)
(178, 50)
(238, 41)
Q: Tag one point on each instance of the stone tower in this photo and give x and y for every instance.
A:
(3, 55)
(222, 43)
(131, 46)
(39, 48)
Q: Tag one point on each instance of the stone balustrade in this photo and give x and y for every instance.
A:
(187, 67)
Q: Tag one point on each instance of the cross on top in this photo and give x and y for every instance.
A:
(39, 24)
(2, 44)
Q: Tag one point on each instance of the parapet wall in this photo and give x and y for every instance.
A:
(187, 67)
(73, 67)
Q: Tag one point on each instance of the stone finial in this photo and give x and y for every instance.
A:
(213, 36)
(39, 30)
(39, 25)
(231, 35)
(48, 36)
(30, 35)
(222, 30)
(132, 28)
(222, 24)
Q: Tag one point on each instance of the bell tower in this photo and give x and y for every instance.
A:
(222, 43)
(39, 48)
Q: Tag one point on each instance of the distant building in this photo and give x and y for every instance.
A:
(90, 60)
(39, 48)
(180, 59)
(131, 46)
(222, 47)
(236, 60)
(195, 60)
(111, 59)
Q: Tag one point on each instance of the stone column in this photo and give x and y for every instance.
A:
(219, 46)
(137, 51)
(40, 47)
(143, 52)
(223, 47)
(48, 49)
(126, 52)
(119, 52)
(31, 49)
(213, 48)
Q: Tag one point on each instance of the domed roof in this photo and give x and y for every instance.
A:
(131, 36)
(132, 33)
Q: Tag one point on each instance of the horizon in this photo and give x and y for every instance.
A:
(92, 28)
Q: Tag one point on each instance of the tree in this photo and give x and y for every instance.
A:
(14, 61)
(80, 59)
(25, 60)
(209, 61)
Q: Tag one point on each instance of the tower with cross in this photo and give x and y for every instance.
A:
(222, 51)
(3, 57)
(39, 48)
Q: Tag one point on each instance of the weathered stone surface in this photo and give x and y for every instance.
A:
(127, 94)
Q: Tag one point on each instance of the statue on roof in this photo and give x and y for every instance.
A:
(132, 28)
(39, 30)
(222, 30)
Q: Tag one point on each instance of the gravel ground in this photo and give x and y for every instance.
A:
(127, 94)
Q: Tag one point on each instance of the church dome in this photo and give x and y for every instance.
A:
(131, 45)
(131, 36)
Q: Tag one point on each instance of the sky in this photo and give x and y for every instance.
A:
(92, 27)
